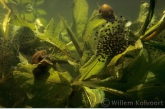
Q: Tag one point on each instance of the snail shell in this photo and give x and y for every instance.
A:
(106, 11)
(41, 57)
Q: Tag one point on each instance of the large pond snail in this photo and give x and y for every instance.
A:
(41, 57)
(106, 11)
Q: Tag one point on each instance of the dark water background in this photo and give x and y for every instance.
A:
(127, 8)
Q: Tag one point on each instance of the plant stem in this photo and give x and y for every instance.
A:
(5, 22)
(148, 18)
(155, 30)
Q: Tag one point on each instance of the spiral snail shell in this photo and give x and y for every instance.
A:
(41, 57)
(106, 11)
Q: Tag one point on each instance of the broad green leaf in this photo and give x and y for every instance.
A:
(112, 83)
(59, 44)
(156, 44)
(56, 42)
(92, 67)
(72, 37)
(117, 57)
(137, 71)
(150, 77)
(155, 50)
(91, 25)
(26, 1)
(59, 56)
(148, 92)
(17, 20)
(58, 29)
(61, 77)
(86, 56)
(80, 16)
(95, 84)
(39, 2)
(94, 15)
(24, 79)
(24, 66)
(29, 16)
(157, 68)
(41, 12)
(50, 28)
(52, 87)
(89, 35)
(22, 59)
(44, 22)
(48, 36)
(92, 97)
(112, 65)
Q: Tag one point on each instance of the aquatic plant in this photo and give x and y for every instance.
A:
(26, 9)
(109, 61)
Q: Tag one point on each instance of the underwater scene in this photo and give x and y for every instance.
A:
(82, 53)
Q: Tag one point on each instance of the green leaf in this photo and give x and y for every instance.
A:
(157, 68)
(72, 37)
(48, 36)
(61, 77)
(137, 71)
(92, 67)
(91, 25)
(41, 12)
(23, 2)
(44, 22)
(58, 29)
(86, 56)
(22, 59)
(157, 44)
(92, 97)
(112, 65)
(24, 66)
(17, 20)
(52, 87)
(94, 84)
(39, 2)
(148, 92)
(80, 16)
(54, 41)
(29, 16)
(50, 28)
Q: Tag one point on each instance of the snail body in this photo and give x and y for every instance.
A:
(41, 57)
(43, 61)
(106, 11)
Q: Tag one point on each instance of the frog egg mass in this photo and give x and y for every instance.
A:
(113, 37)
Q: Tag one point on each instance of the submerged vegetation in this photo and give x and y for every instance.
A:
(83, 64)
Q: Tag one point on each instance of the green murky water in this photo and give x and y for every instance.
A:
(82, 53)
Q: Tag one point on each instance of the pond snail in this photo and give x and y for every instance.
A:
(106, 11)
(41, 57)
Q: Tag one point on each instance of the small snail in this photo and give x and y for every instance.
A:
(106, 11)
(41, 57)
